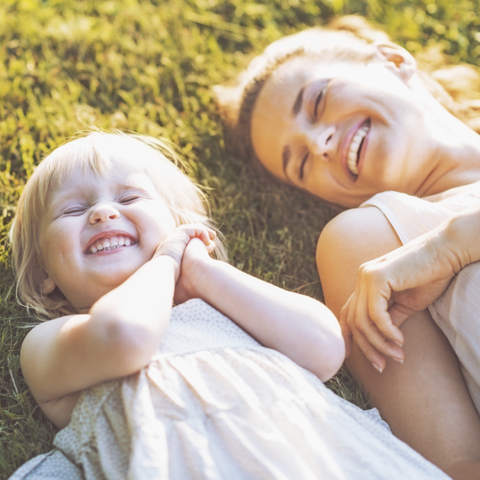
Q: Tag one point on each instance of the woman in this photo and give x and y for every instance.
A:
(345, 116)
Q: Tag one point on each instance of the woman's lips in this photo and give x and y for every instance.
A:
(363, 150)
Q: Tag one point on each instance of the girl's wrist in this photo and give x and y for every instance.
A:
(195, 276)
(167, 262)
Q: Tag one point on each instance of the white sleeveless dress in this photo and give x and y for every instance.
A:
(214, 404)
(457, 311)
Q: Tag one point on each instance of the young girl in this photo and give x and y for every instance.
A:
(108, 235)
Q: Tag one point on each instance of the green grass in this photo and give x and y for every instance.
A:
(148, 67)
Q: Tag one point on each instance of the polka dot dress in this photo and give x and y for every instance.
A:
(214, 404)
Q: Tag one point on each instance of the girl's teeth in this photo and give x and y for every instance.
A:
(110, 244)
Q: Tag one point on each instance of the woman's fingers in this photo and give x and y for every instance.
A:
(374, 344)
(350, 331)
(371, 353)
(379, 314)
(346, 332)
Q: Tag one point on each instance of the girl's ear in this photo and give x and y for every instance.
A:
(48, 285)
(402, 61)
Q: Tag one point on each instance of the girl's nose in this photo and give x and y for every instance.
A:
(320, 142)
(103, 212)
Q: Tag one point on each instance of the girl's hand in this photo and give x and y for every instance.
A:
(391, 288)
(195, 260)
(176, 244)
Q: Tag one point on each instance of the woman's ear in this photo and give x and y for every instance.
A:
(48, 285)
(402, 61)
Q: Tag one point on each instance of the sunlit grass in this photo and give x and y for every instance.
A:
(148, 67)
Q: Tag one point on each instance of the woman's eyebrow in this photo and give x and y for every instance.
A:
(298, 102)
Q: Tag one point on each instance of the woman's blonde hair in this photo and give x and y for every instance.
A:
(95, 153)
(350, 38)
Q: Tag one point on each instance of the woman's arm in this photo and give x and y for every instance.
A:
(412, 397)
(407, 280)
(296, 325)
(116, 338)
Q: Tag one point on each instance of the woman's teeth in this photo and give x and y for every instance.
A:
(109, 244)
(352, 158)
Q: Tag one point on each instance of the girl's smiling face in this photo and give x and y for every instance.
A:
(99, 229)
(342, 131)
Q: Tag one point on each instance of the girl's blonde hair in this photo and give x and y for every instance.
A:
(349, 38)
(94, 152)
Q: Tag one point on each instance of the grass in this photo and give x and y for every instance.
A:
(148, 66)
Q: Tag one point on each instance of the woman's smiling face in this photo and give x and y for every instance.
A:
(342, 131)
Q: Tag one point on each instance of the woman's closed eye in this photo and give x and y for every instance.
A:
(317, 103)
(301, 170)
(318, 100)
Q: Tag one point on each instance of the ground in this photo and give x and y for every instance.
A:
(148, 66)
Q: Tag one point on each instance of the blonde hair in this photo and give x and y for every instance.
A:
(350, 38)
(94, 152)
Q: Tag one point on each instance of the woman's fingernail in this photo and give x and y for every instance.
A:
(377, 368)
(399, 360)
(396, 342)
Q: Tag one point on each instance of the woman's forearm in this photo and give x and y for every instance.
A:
(298, 326)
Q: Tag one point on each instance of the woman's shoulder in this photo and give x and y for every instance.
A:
(352, 238)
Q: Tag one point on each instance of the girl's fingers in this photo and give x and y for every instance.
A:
(200, 231)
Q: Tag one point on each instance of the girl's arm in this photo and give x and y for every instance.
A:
(298, 326)
(116, 338)
(407, 280)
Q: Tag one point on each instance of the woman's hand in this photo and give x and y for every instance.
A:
(175, 245)
(391, 288)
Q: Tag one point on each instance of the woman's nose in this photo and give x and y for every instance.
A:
(320, 142)
(103, 212)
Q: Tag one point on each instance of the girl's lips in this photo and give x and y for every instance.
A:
(345, 146)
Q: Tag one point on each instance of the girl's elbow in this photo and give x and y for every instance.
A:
(333, 356)
(129, 347)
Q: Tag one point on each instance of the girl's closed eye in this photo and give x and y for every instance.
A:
(126, 199)
(74, 211)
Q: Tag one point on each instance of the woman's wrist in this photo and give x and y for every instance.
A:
(461, 234)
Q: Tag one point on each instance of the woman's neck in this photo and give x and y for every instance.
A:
(455, 154)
